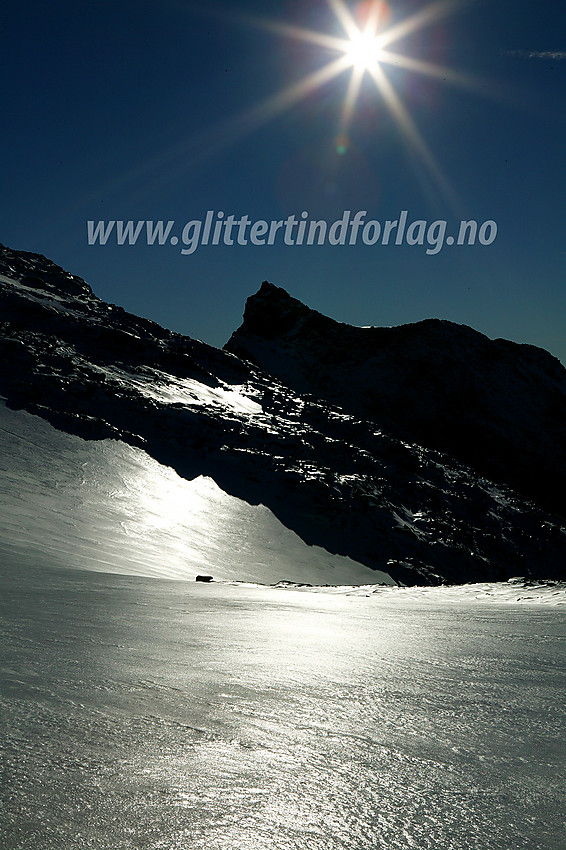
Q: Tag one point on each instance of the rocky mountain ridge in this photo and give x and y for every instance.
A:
(495, 405)
(336, 479)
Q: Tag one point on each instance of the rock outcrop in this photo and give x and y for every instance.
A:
(495, 405)
(331, 475)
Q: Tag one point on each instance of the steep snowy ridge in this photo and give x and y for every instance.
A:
(338, 481)
(494, 404)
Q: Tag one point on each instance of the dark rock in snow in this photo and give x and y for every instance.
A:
(325, 469)
(204, 578)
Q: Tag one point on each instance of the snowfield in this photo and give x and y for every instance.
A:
(301, 700)
(280, 461)
(140, 709)
(107, 506)
(167, 715)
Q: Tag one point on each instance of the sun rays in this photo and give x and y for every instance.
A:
(365, 50)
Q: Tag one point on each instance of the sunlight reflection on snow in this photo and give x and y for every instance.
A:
(166, 388)
(106, 506)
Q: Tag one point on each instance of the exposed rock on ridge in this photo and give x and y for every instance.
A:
(338, 481)
(494, 404)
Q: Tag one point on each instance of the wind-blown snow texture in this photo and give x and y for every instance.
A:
(338, 481)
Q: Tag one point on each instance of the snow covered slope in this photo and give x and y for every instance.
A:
(210, 428)
(106, 506)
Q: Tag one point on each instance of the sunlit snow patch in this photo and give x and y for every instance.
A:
(106, 506)
(168, 389)
(515, 591)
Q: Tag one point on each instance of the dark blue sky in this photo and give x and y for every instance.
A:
(146, 111)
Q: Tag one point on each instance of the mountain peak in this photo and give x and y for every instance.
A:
(335, 480)
(493, 404)
(272, 312)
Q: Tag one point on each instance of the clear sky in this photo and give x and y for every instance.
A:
(148, 110)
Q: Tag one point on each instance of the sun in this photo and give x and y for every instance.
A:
(360, 46)
(363, 50)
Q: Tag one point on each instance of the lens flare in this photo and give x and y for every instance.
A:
(364, 52)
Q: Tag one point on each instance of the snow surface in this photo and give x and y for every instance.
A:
(168, 715)
(173, 715)
(92, 369)
(107, 506)
(513, 592)
(187, 391)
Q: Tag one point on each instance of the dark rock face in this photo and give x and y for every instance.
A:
(37, 272)
(495, 405)
(334, 478)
